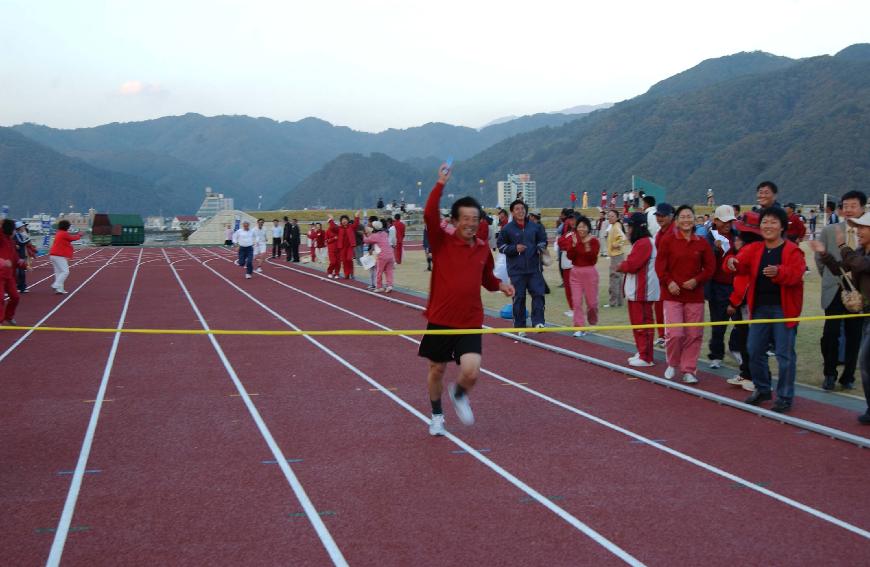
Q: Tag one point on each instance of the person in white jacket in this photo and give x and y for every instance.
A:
(245, 239)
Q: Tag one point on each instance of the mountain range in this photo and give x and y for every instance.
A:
(726, 123)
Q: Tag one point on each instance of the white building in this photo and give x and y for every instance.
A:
(518, 186)
(190, 222)
(213, 204)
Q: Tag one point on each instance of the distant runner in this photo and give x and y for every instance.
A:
(462, 264)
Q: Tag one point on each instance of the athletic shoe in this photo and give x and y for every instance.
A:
(635, 355)
(639, 362)
(539, 326)
(736, 380)
(770, 353)
(388, 289)
(660, 342)
(670, 372)
(569, 314)
(748, 385)
(689, 378)
(521, 334)
(371, 288)
(829, 383)
(580, 334)
(461, 405)
(735, 354)
(379, 290)
(715, 363)
(436, 425)
(606, 305)
(259, 270)
(864, 418)
(781, 406)
(60, 291)
(247, 276)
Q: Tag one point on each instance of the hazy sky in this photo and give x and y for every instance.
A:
(376, 64)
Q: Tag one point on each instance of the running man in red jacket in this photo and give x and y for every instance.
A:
(462, 264)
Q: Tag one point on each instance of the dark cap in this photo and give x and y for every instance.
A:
(791, 206)
(664, 210)
(637, 219)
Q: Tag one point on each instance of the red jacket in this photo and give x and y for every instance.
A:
(346, 234)
(459, 269)
(796, 229)
(319, 238)
(722, 274)
(577, 253)
(679, 260)
(332, 236)
(62, 245)
(482, 231)
(8, 252)
(400, 232)
(790, 278)
(641, 282)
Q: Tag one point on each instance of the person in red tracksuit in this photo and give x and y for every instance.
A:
(331, 238)
(400, 237)
(9, 262)
(319, 242)
(582, 249)
(462, 264)
(797, 230)
(684, 263)
(312, 242)
(346, 242)
(641, 287)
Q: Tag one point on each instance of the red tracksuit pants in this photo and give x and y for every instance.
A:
(641, 313)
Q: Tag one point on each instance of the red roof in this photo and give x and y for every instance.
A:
(187, 218)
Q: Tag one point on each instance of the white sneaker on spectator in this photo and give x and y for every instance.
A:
(461, 405)
(715, 363)
(639, 362)
(259, 270)
(580, 334)
(735, 380)
(735, 354)
(521, 334)
(247, 276)
(388, 289)
(540, 326)
(569, 314)
(60, 291)
(659, 342)
(436, 426)
(606, 305)
(635, 355)
(689, 378)
(670, 372)
(748, 385)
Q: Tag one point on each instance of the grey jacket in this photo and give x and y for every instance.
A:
(830, 280)
(857, 262)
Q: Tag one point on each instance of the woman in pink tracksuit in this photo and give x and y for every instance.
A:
(582, 249)
(386, 260)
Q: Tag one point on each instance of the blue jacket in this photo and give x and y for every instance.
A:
(533, 236)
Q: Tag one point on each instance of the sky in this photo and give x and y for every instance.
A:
(377, 64)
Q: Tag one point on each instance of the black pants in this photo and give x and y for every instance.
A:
(294, 249)
(718, 295)
(830, 342)
(276, 247)
(21, 279)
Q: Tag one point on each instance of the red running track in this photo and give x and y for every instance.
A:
(182, 477)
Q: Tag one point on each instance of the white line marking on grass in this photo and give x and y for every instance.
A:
(23, 337)
(531, 492)
(310, 511)
(682, 456)
(76, 484)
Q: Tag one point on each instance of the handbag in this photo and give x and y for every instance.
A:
(368, 261)
(565, 262)
(546, 258)
(852, 298)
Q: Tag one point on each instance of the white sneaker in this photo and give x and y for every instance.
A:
(539, 326)
(436, 426)
(60, 291)
(660, 342)
(670, 372)
(247, 276)
(735, 354)
(521, 334)
(569, 314)
(378, 290)
(606, 305)
(715, 363)
(639, 362)
(580, 334)
(461, 405)
(635, 355)
(259, 270)
(736, 380)
(689, 379)
(748, 385)
(388, 289)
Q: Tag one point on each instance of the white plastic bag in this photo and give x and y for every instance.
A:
(368, 261)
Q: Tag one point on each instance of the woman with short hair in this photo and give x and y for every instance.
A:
(60, 253)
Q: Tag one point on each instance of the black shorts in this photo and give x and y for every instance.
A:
(444, 348)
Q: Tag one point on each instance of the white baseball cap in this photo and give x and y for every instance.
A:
(724, 213)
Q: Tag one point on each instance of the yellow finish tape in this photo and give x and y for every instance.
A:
(375, 332)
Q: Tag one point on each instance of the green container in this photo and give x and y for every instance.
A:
(117, 230)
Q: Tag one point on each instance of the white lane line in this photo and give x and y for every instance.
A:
(825, 430)
(23, 337)
(310, 511)
(531, 492)
(636, 436)
(72, 496)
(76, 263)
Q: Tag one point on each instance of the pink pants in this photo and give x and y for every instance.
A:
(683, 344)
(385, 267)
(584, 285)
(641, 313)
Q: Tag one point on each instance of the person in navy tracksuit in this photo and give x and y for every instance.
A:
(522, 242)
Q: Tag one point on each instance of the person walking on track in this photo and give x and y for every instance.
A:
(60, 253)
(261, 245)
(462, 264)
(245, 239)
(9, 262)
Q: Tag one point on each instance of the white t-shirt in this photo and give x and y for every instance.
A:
(259, 235)
(277, 231)
(244, 237)
(651, 222)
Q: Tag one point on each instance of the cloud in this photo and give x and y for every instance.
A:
(139, 88)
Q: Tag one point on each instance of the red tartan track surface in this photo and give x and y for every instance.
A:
(268, 450)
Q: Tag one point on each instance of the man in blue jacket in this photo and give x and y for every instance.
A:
(522, 242)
